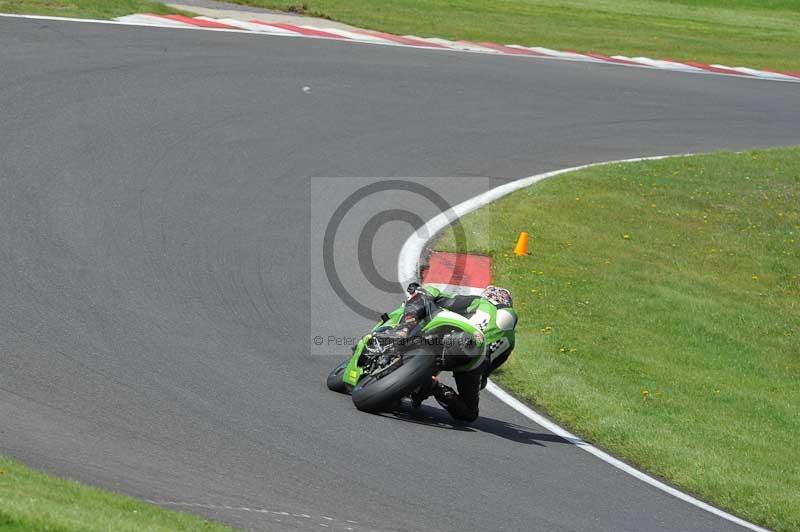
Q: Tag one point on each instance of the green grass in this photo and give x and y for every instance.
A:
(34, 502)
(733, 32)
(660, 317)
(98, 9)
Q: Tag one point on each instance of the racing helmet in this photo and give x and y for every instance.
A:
(498, 296)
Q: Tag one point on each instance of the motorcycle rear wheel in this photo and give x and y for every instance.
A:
(373, 395)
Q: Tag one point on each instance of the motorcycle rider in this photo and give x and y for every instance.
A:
(490, 312)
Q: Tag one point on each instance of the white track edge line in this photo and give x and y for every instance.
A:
(408, 270)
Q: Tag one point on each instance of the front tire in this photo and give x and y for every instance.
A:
(335, 380)
(373, 395)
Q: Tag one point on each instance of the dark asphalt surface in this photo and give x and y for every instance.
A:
(158, 269)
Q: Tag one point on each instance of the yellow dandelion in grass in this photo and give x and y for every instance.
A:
(563, 350)
(645, 393)
(755, 277)
(626, 236)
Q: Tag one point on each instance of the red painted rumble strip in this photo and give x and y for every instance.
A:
(608, 58)
(410, 41)
(443, 268)
(508, 49)
(300, 30)
(710, 68)
(199, 22)
(397, 38)
(792, 74)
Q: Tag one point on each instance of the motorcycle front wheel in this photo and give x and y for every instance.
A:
(335, 380)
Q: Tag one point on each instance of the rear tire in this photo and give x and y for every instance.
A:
(373, 395)
(336, 378)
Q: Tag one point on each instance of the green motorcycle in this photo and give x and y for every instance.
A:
(404, 351)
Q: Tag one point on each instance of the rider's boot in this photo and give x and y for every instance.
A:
(422, 393)
(444, 394)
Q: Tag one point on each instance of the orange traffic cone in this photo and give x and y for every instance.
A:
(522, 245)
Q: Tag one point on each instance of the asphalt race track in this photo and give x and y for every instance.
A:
(158, 266)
